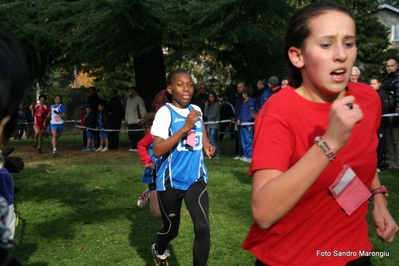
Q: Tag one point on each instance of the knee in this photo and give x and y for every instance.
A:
(202, 230)
(171, 234)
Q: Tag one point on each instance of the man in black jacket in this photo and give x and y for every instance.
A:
(116, 114)
(391, 85)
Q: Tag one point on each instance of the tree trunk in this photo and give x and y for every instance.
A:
(149, 71)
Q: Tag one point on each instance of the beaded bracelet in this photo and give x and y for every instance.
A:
(327, 151)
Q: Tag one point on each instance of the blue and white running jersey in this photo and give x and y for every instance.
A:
(55, 118)
(183, 165)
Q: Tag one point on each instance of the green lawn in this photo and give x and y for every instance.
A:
(79, 208)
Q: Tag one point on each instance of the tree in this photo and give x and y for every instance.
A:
(220, 41)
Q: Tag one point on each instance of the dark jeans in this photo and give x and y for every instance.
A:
(381, 149)
(113, 136)
(223, 130)
(136, 135)
(84, 135)
(19, 130)
(362, 261)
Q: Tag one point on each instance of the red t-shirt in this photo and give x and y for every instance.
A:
(285, 129)
(40, 110)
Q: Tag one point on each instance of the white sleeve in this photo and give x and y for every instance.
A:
(161, 124)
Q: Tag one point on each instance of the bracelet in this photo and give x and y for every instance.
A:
(379, 190)
(323, 145)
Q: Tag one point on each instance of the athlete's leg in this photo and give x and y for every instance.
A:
(170, 202)
(197, 202)
(54, 138)
(37, 131)
(40, 138)
(154, 205)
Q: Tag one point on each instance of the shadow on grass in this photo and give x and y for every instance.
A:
(145, 227)
(65, 206)
(243, 178)
(28, 248)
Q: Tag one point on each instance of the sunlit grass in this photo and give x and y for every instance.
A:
(79, 208)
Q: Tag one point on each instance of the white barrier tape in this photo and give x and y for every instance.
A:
(219, 122)
(231, 121)
(107, 130)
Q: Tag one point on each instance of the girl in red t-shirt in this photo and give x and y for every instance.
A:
(41, 113)
(306, 135)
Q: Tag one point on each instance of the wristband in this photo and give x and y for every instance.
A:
(323, 145)
(379, 190)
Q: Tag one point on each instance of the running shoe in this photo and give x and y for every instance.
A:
(99, 149)
(158, 261)
(105, 149)
(39, 151)
(92, 148)
(143, 198)
(247, 160)
(34, 145)
(54, 152)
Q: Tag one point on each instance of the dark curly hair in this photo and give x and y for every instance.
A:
(172, 74)
(161, 99)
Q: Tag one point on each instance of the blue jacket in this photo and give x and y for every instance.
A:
(238, 106)
(264, 94)
(248, 108)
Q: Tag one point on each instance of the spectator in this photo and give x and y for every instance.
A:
(29, 124)
(90, 125)
(284, 82)
(239, 100)
(41, 113)
(264, 93)
(202, 97)
(273, 84)
(212, 111)
(245, 122)
(57, 121)
(19, 129)
(391, 85)
(93, 100)
(82, 111)
(135, 110)
(314, 142)
(102, 124)
(227, 112)
(375, 83)
(355, 74)
(115, 111)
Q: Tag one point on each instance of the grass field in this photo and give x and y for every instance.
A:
(79, 208)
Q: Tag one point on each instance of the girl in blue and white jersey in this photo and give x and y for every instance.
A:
(180, 142)
(57, 121)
